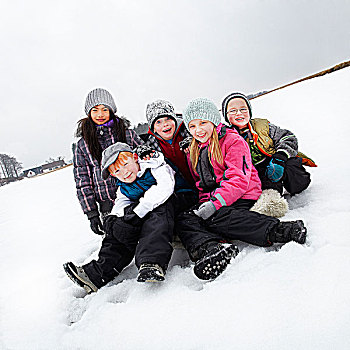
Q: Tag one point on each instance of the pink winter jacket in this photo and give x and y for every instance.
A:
(236, 178)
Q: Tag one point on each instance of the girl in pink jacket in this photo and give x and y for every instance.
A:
(228, 187)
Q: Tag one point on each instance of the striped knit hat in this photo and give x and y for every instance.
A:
(230, 97)
(201, 108)
(99, 97)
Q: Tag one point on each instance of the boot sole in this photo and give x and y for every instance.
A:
(301, 236)
(212, 266)
(151, 279)
(77, 279)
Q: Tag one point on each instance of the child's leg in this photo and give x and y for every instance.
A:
(112, 259)
(237, 222)
(296, 178)
(193, 233)
(154, 245)
(204, 248)
(117, 252)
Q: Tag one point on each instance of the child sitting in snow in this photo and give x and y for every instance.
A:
(274, 154)
(228, 187)
(167, 134)
(141, 223)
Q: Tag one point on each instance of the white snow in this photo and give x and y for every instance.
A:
(288, 297)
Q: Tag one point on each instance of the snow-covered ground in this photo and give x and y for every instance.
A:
(292, 297)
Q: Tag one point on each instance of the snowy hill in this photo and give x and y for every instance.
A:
(287, 298)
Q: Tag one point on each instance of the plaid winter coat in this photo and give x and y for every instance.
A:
(91, 188)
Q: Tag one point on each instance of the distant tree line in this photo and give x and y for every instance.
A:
(141, 128)
(9, 166)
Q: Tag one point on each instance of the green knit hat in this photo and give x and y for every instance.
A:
(201, 108)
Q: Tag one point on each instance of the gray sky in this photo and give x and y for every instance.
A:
(54, 52)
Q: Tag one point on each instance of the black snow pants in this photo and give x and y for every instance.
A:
(149, 243)
(234, 222)
(295, 178)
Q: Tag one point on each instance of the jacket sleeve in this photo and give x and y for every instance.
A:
(132, 139)
(120, 203)
(284, 140)
(84, 182)
(235, 182)
(159, 193)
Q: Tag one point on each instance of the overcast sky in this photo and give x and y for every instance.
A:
(52, 53)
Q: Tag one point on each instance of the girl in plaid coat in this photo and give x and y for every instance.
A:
(99, 129)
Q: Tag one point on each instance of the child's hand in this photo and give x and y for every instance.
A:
(185, 144)
(275, 169)
(145, 152)
(96, 225)
(205, 210)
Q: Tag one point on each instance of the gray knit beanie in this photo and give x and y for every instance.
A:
(159, 109)
(201, 108)
(99, 97)
(110, 155)
(230, 97)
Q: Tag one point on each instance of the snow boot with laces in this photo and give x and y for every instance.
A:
(78, 276)
(150, 273)
(213, 259)
(288, 231)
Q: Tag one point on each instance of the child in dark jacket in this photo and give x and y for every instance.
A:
(274, 154)
(100, 129)
(141, 222)
(228, 187)
(168, 134)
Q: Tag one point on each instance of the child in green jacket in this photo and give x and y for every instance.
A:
(274, 153)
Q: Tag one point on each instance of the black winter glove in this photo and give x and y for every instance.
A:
(144, 151)
(185, 143)
(130, 217)
(96, 225)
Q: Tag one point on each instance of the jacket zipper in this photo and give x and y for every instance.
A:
(245, 166)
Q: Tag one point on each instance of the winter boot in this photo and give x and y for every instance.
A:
(150, 273)
(78, 276)
(271, 203)
(213, 259)
(288, 231)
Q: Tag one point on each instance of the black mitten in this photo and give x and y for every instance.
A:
(96, 225)
(185, 143)
(144, 151)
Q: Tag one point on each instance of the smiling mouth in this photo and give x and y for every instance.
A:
(239, 119)
(167, 130)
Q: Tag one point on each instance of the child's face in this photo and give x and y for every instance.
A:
(100, 114)
(165, 127)
(201, 129)
(238, 112)
(127, 171)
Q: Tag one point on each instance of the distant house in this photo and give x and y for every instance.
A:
(53, 165)
(32, 172)
(44, 168)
